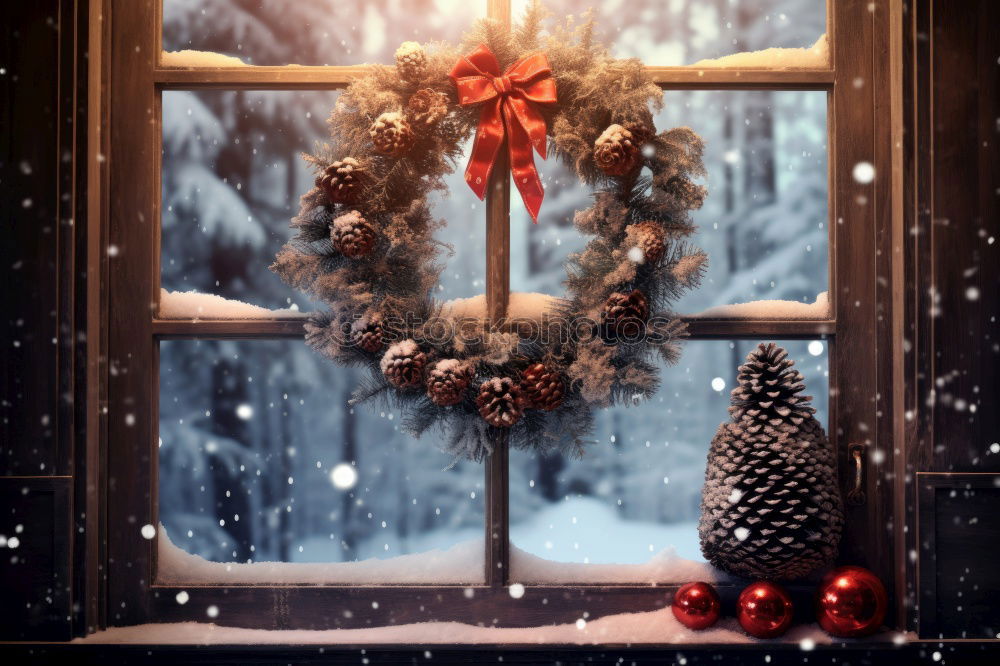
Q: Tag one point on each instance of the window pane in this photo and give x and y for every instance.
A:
(261, 430)
(538, 251)
(312, 32)
(684, 32)
(232, 177)
(764, 223)
(636, 492)
(464, 274)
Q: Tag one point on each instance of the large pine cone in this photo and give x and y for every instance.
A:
(771, 506)
(411, 61)
(447, 382)
(542, 388)
(367, 334)
(391, 134)
(342, 181)
(625, 315)
(403, 364)
(426, 107)
(648, 237)
(616, 151)
(352, 235)
(500, 402)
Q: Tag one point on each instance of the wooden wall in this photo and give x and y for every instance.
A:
(952, 369)
(42, 138)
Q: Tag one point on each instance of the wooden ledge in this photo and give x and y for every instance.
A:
(334, 78)
(698, 329)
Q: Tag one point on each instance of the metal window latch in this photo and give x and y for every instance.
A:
(856, 495)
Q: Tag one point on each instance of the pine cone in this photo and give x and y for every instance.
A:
(411, 61)
(447, 382)
(625, 315)
(500, 402)
(648, 237)
(342, 181)
(403, 364)
(542, 388)
(392, 134)
(368, 334)
(352, 235)
(616, 151)
(771, 506)
(426, 108)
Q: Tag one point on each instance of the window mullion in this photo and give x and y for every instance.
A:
(497, 547)
(497, 295)
(499, 10)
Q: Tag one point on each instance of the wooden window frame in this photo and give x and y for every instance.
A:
(861, 90)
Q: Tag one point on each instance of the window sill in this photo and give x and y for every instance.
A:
(966, 652)
(655, 628)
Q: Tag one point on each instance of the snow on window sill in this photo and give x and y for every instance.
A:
(662, 568)
(770, 310)
(522, 306)
(816, 56)
(463, 563)
(196, 305)
(191, 59)
(655, 627)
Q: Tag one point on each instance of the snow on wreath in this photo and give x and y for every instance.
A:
(364, 243)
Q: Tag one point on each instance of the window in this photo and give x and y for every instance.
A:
(182, 383)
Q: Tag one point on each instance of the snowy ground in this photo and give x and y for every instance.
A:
(578, 540)
(578, 529)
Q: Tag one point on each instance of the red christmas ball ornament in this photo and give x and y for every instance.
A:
(764, 610)
(696, 605)
(851, 602)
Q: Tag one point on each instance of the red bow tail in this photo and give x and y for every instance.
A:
(508, 111)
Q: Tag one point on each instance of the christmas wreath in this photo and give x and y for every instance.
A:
(364, 243)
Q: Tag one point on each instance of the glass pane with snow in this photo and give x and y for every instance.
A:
(232, 176)
(627, 511)
(226, 33)
(776, 34)
(538, 251)
(464, 234)
(267, 475)
(764, 223)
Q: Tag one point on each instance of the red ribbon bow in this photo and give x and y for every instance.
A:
(508, 110)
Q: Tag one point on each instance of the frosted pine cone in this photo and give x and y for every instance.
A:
(368, 334)
(648, 238)
(403, 364)
(616, 151)
(771, 506)
(447, 382)
(342, 181)
(352, 235)
(500, 402)
(391, 134)
(625, 315)
(542, 388)
(411, 61)
(426, 107)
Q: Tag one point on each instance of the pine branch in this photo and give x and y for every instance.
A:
(527, 34)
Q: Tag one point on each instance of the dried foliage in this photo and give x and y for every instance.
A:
(393, 283)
